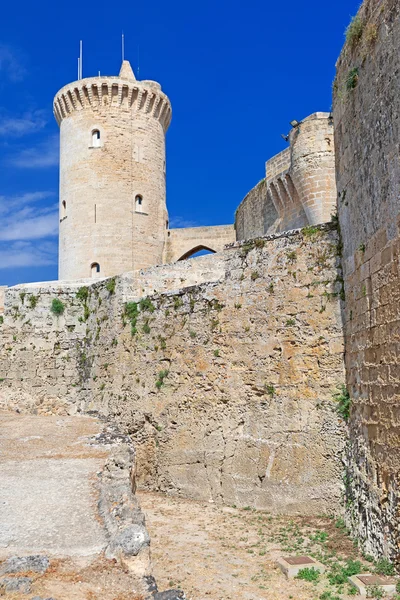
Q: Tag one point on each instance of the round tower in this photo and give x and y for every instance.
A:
(113, 215)
(313, 166)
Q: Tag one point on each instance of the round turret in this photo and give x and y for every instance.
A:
(313, 166)
(113, 215)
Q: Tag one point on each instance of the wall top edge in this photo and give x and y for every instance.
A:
(200, 227)
(99, 81)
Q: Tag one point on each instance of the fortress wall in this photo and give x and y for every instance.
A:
(299, 188)
(170, 278)
(183, 242)
(245, 413)
(366, 114)
(3, 289)
(256, 214)
(246, 365)
(278, 164)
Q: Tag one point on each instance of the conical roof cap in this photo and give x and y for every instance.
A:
(126, 71)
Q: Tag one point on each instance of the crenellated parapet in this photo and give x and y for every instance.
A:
(102, 93)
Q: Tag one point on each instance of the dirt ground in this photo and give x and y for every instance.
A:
(67, 579)
(225, 553)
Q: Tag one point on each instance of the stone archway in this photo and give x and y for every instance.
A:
(194, 250)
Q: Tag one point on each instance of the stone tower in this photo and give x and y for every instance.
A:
(313, 166)
(113, 215)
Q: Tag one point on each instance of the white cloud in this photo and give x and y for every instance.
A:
(27, 254)
(30, 122)
(10, 65)
(44, 155)
(9, 203)
(30, 227)
(24, 220)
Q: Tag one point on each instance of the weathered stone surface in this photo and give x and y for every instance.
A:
(169, 595)
(226, 387)
(367, 120)
(131, 540)
(21, 564)
(23, 585)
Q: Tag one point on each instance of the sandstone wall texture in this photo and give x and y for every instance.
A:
(299, 188)
(223, 374)
(3, 289)
(182, 243)
(366, 115)
(112, 175)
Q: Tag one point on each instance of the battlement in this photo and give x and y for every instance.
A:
(113, 92)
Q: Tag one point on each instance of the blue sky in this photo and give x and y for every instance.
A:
(236, 74)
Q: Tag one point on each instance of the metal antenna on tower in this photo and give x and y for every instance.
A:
(123, 47)
(80, 58)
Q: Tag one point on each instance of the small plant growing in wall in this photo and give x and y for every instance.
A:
(33, 300)
(146, 327)
(161, 376)
(146, 304)
(83, 294)
(310, 231)
(371, 34)
(290, 322)
(291, 256)
(343, 402)
(254, 275)
(57, 307)
(216, 353)
(110, 285)
(352, 79)
(22, 296)
(270, 389)
(178, 303)
(163, 342)
(354, 31)
(131, 313)
(1, 319)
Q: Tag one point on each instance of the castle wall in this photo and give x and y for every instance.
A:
(366, 114)
(183, 242)
(299, 188)
(226, 386)
(100, 220)
(3, 289)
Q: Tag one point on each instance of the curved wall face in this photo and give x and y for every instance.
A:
(113, 212)
(313, 167)
(256, 215)
(299, 188)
